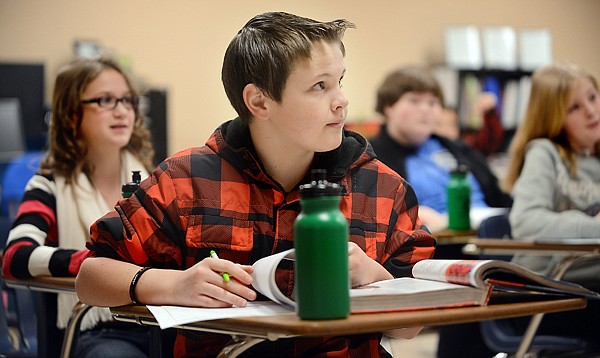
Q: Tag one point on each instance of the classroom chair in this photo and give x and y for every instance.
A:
(18, 319)
(22, 328)
(10, 340)
(15, 178)
(21, 305)
(503, 335)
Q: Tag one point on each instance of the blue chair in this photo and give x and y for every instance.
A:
(24, 342)
(18, 316)
(21, 314)
(496, 227)
(15, 178)
(6, 338)
(504, 335)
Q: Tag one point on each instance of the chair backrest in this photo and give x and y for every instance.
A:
(5, 224)
(497, 226)
(17, 174)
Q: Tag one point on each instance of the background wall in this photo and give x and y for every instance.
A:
(178, 45)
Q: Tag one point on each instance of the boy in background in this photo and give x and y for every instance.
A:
(410, 100)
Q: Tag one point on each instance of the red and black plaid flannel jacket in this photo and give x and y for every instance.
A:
(219, 197)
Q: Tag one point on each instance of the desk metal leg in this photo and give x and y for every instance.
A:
(72, 330)
(534, 324)
(529, 335)
(238, 345)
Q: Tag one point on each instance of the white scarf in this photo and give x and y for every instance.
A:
(78, 206)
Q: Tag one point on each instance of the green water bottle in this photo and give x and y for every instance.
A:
(321, 242)
(459, 199)
(128, 189)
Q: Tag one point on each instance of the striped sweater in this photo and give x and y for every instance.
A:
(32, 246)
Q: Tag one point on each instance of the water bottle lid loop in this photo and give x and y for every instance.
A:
(319, 186)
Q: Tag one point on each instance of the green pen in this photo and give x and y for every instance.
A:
(225, 275)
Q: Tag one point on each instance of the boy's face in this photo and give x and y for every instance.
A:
(412, 118)
(313, 107)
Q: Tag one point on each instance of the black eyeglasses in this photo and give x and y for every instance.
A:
(110, 102)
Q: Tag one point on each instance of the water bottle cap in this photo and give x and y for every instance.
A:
(461, 169)
(136, 176)
(132, 186)
(319, 186)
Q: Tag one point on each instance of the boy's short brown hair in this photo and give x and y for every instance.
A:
(407, 79)
(266, 49)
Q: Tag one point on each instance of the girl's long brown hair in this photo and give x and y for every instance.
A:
(551, 90)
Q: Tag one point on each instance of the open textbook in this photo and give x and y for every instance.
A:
(437, 283)
(501, 275)
(389, 295)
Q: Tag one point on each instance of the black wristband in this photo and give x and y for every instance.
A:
(134, 282)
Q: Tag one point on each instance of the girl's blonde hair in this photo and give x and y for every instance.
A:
(551, 89)
(66, 146)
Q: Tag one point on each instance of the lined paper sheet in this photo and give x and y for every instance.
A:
(171, 316)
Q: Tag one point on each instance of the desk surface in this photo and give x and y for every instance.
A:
(274, 327)
(477, 246)
(44, 283)
(453, 237)
(448, 233)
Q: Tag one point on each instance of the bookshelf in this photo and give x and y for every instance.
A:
(469, 92)
(510, 87)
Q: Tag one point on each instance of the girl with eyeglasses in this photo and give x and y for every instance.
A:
(96, 139)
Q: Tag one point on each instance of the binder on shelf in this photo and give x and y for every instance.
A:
(463, 48)
(510, 102)
(468, 114)
(523, 100)
(535, 48)
(499, 48)
(448, 80)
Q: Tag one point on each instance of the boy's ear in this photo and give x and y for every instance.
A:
(255, 99)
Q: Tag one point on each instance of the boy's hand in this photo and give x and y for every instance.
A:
(363, 269)
(434, 220)
(202, 285)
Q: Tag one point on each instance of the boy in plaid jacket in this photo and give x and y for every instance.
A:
(238, 194)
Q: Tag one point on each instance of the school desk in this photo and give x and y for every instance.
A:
(249, 331)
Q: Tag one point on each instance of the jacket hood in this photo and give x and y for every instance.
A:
(232, 141)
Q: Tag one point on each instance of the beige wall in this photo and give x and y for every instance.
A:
(179, 44)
